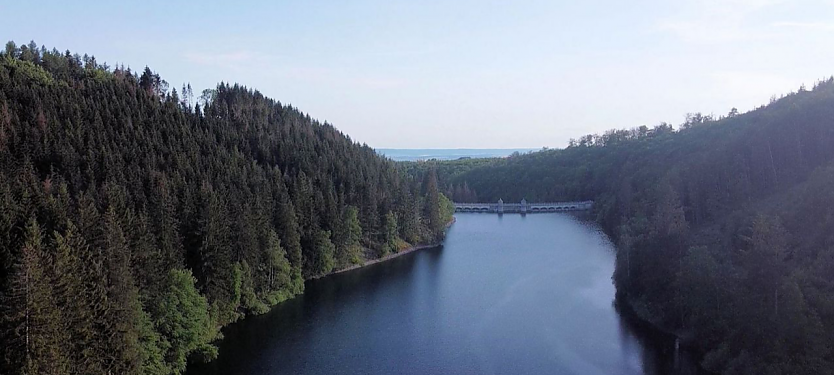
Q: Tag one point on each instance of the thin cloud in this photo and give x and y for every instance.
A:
(339, 77)
(221, 59)
(752, 88)
(381, 83)
(715, 21)
(810, 26)
(705, 31)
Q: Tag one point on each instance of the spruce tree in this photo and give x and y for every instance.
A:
(35, 342)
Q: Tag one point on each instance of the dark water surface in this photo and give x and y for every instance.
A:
(505, 294)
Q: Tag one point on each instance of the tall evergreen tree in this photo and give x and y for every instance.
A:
(431, 207)
(34, 341)
(243, 194)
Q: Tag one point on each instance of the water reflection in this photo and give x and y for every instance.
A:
(506, 294)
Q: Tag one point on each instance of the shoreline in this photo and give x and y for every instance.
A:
(407, 250)
(656, 331)
(379, 260)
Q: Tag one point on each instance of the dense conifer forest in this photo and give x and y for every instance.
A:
(723, 226)
(136, 221)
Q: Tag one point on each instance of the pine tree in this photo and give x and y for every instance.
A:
(289, 232)
(81, 293)
(350, 250)
(764, 254)
(124, 308)
(163, 209)
(131, 184)
(409, 215)
(280, 273)
(34, 341)
(184, 323)
(391, 231)
(213, 257)
(279, 266)
(323, 261)
(431, 207)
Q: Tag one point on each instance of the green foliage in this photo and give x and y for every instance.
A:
(249, 300)
(152, 347)
(325, 251)
(183, 321)
(99, 75)
(128, 181)
(431, 207)
(25, 72)
(82, 298)
(722, 227)
(237, 284)
(350, 250)
(447, 209)
(391, 231)
(33, 337)
(280, 270)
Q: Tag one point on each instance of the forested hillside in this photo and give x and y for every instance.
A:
(136, 221)
(723, 226)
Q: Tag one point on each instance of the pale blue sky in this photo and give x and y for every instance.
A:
(448, 74)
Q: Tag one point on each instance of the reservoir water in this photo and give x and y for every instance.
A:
(505, 294)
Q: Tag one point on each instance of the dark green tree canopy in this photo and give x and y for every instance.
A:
(170, 218)
(723, 227)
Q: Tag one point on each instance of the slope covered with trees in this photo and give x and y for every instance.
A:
(723, 227)
(136, 221)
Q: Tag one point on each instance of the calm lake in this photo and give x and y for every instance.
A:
(505, 294)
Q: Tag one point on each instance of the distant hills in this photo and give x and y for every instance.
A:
(449, 153)
(723, 225)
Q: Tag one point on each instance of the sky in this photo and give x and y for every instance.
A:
(460, 74)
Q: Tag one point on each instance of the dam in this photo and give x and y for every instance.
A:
(523, 207)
